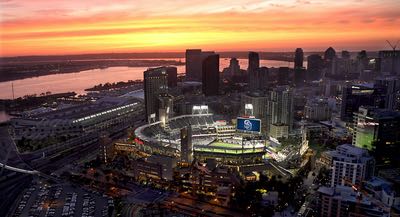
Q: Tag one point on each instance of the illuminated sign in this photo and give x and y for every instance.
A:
(248, 124)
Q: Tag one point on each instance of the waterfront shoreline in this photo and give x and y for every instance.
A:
(15, 71)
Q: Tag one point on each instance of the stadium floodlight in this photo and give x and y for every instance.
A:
(248, 106)
(204, 109)
(248, 109)
(196, 109)
(200, 109)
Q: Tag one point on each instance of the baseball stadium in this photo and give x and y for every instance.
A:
(212, 138)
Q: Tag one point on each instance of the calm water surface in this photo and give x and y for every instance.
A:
(79, 81)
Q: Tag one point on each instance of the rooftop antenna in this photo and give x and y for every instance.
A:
(394, 53)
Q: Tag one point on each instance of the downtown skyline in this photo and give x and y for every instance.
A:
(73, 27)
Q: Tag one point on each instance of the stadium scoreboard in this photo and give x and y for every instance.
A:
(250, 125)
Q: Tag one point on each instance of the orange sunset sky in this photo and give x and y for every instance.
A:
(38, 27)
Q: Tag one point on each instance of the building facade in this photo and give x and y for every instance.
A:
(348, 165)
(194, 59)
(280, 107)
(155, 83)
(210, 78)
(378, 130)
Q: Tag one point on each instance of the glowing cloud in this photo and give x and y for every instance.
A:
(64, 27)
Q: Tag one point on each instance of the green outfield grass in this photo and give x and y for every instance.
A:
(225, 145)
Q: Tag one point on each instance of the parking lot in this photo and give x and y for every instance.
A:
(45, 200)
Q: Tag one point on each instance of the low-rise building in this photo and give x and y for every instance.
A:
(344, 202)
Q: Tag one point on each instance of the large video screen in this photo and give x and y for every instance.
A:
(248, 124)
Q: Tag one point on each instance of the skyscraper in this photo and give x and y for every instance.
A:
(172, 74)
(300, 76)
(252, 70)
(390, 89)
(298, 58)
(354, 96)
(193, 64)
(194, 59)
(254, 61)
(155, 83)
(329, 54)
(283, 75)
(314, 67)
(232, 70)
(346, 54)
(210, 78)
(280, 108)
(186, 145)
(390, 62)
(378, 130)
(259, 79)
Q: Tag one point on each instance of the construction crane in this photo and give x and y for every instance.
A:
(394, 54)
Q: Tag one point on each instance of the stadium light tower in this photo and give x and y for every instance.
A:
(248, 109)
(200, 109)
(204, 109)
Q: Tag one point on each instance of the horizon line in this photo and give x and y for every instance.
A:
(179, 52)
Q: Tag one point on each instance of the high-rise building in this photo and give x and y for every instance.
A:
(348, 165)
(252, 70)
(390, 62)
(317, 110)
(155, 83)
(210, 68)
(283, 75)
(329, 62)
(234, 73)
(172, 74)
(232, 70)
(390, 89)
(280, 107)
(300, 76)
(329, 54)
(186, 145)
(346, 54)
(254, 61)
(298, 58)
(194, 59)
(342, 68)
(354, 96)
(259, 103)
(362, 63)
(378, 130)
(315, 65)
(258, 79)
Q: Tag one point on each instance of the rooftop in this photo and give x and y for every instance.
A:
(85, 109)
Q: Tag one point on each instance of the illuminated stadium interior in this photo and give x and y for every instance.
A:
(209, 135)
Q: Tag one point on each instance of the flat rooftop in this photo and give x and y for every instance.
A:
(85, 109)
